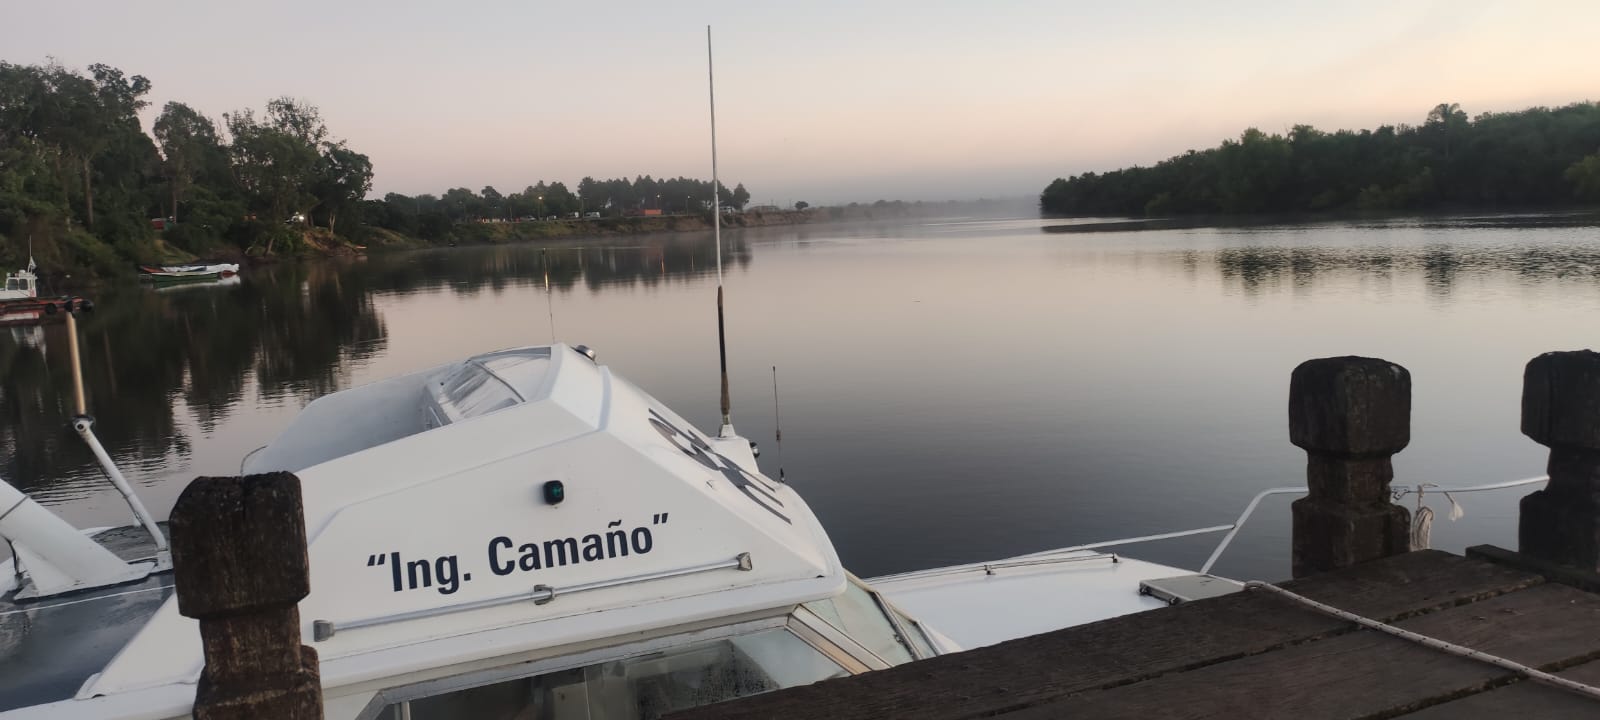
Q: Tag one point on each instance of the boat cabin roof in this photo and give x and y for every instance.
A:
(516, 500)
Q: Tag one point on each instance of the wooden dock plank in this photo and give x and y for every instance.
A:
(1366, 673)
(1520, 700)
(1028, 671)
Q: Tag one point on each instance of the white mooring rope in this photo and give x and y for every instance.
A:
(1422, 519)
(1534, 674)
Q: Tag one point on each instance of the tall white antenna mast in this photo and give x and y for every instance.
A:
(716, 224)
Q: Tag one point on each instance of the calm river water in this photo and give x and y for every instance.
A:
(951, 391)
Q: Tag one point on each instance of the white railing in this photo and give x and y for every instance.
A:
(1233, 528)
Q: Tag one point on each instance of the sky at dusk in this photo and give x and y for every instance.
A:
(820, 101)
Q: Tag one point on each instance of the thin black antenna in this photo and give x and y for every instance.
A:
(777, 422)
(549, 300)
(716, 224)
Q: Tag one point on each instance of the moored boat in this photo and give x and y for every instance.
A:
(198, 271)
(20, 303)
(509, 533)
(199, 283)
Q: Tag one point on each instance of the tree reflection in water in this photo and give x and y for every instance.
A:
(285, 334)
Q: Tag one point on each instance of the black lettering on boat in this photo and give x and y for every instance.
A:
(616, 543)
(448, 574)
(562, 549)
(593, 548)
(419, 567)
(642, 546)
(494, 556)
(445, 574)
(530, 557)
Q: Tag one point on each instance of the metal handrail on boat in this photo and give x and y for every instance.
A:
(1233, 528)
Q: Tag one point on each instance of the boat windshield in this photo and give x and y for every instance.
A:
(869, 620)
(642, 687)
(487, 383)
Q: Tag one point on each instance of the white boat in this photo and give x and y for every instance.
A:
(670, 572)
(199, 283)
(21, 305)
(21, 285)
(197, 271)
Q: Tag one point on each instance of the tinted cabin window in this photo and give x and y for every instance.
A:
(859, 616)
(644, 687)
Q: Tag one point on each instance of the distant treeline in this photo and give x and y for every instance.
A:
(80, 178)
(431, 217)
(1537, 157)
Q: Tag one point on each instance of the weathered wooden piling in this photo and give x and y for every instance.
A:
(1350, 415)
(1561, 410)
(239, 557)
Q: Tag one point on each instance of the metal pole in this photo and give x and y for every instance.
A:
(84, 426)
(77, 367)
(716, 224)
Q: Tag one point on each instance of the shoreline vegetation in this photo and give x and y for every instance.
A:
(1538, 158)
(95, 195)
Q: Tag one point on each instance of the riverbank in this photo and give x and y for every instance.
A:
(496, 233)
(69, 265)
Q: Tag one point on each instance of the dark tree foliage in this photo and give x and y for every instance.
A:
(1535, 157)
(85, 185)
(431, 218)
(81, 180)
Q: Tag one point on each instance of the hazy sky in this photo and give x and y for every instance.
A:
(819, 100)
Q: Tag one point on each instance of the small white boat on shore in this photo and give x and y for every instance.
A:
(199, 271)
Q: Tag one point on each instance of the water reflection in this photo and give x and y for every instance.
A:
(280, 334)
(1439, 266)
(1139, 387)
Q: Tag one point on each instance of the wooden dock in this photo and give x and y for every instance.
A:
(1257, 654)
(1253, 654)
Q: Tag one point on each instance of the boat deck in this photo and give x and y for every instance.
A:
(50, 647)
(1255, 654)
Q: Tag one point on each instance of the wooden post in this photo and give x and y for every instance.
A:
(239, 558)
(1350, 415)
(1561, 410)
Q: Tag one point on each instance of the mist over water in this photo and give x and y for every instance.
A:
(952, 390)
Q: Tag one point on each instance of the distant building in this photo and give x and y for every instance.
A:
(763, 208)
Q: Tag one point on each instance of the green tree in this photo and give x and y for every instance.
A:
(802, 205)
(343, 178)
(187, 138)
(115, 105)
(591, 194)
(1585, 178)
(493, 201)
(275, 167)
(560, 201)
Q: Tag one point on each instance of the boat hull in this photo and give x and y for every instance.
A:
(188, 272)
(35, 311)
